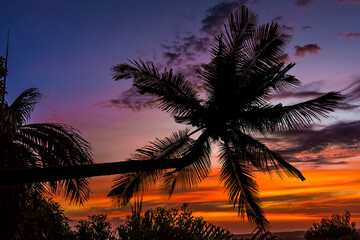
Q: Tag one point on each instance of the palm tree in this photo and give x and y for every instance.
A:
(244, 71)
(33, 146)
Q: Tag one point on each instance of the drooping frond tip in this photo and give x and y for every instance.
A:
(240, 186)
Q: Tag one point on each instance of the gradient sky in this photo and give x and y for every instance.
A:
(66, 49)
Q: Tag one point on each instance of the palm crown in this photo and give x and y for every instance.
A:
(243, 73)
(42, 145)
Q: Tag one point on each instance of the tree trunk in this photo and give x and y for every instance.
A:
(10, 177)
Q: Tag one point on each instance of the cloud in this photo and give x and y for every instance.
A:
(299, 95)
(345, 1)
(171, 56)
(284, 58)
(307, 49)
(288, 28)
(185, 48)
(187, 45)
(189, 71)
(131, 99)
(351, 35)
(314, 90)
(303, 3)
(321, 146)
(307, 27)
(352, 92)
(278, 18)
(217, 15)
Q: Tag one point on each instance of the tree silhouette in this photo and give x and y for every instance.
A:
(32, 146)
(336, 227)
(161, 224)
(243, 73)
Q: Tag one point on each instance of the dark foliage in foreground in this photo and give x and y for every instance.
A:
(46, 220)
(261, 234)
(165, 224)
(95, 228)
(336, 227)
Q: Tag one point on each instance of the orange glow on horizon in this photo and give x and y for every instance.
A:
(323, 193)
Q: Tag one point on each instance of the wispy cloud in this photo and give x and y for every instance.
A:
(299, 95)
(288, 28)
(184, 48)
(130, 99)
(352, 92)
(321, 146)
(351, 35)
(345, 1)
(312, 49)
(217, 14)
(284, 58)
(303, 3)
(278, 18)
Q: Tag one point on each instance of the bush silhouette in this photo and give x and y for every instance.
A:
(164, 224)
(336, 227)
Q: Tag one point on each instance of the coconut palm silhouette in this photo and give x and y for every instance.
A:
(28, 146)
(244, 71)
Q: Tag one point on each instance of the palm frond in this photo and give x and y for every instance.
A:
(241, 25)
(56, 144)
(20, 109)
(127, 185)
(196, 167)
(240, 186)
(75, 190)
(252, 151)
(263, 49)
(59, 145)
(271, 79)
(174, 94)
(206, 230)
(226, 53)
(294, 117)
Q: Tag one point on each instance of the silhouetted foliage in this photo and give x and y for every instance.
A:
(95, 228)
(261, 234)
(45, 220)
(244, 71)
(31, 146)
(336, 227)
(164, 224)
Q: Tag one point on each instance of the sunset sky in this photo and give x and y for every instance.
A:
(67, 48)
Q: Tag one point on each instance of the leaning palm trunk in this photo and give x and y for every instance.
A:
(10, 177)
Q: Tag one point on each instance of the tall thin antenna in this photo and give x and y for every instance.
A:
(5, 74)
(6, 56)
